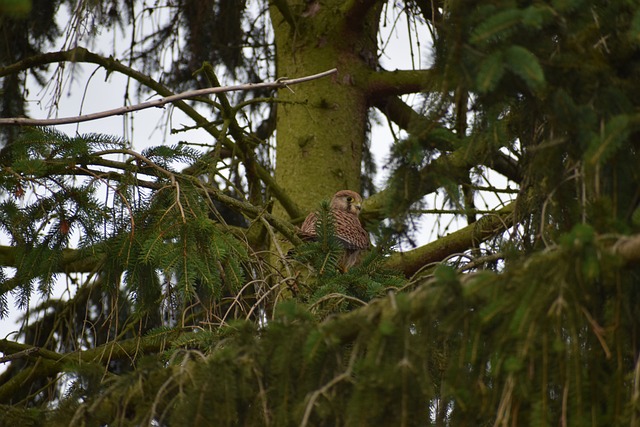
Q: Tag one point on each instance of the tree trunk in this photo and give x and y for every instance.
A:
(321, 126)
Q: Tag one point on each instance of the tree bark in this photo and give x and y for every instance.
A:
(321, 128)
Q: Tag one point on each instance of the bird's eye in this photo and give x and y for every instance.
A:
(349, 199)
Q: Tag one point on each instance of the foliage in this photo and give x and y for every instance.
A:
(185, 302)
(450, 343)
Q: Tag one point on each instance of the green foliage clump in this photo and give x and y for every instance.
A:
(538, 338)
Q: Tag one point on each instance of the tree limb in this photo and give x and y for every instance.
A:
(397, 111)
(42, 369)
(381, 84)
(458, 162)
(626, 247)
(72, 260)
(49, 363)
(9, 347)
(408, 119)
(464, 239)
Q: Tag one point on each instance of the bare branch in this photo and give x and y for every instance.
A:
(278, 84)
(18, 355)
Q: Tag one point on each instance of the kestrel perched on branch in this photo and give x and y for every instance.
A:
(345, 208)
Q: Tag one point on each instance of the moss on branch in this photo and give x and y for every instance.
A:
(380, 84)
(462, 240)
(48, 363)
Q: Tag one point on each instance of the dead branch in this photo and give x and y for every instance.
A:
(277, 84)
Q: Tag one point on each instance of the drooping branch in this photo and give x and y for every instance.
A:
(240, 206)
(129, 173)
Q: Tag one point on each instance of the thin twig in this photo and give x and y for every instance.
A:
(278, 84)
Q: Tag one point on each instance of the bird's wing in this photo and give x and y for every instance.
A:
(350, 232)
(308, 227)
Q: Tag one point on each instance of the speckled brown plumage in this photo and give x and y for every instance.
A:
(345, 208)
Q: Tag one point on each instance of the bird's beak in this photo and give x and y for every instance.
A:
(358, 206)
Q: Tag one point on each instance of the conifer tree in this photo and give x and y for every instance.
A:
(192, 301)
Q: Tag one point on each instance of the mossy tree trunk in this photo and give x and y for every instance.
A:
(321, 128)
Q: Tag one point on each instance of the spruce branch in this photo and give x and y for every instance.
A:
(249, 209)
(456, 163)
(71, 261)
(48, 363)
(126, 172)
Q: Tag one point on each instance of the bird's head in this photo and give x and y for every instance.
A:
(348, 201)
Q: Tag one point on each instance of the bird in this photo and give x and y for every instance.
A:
(344, 208)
